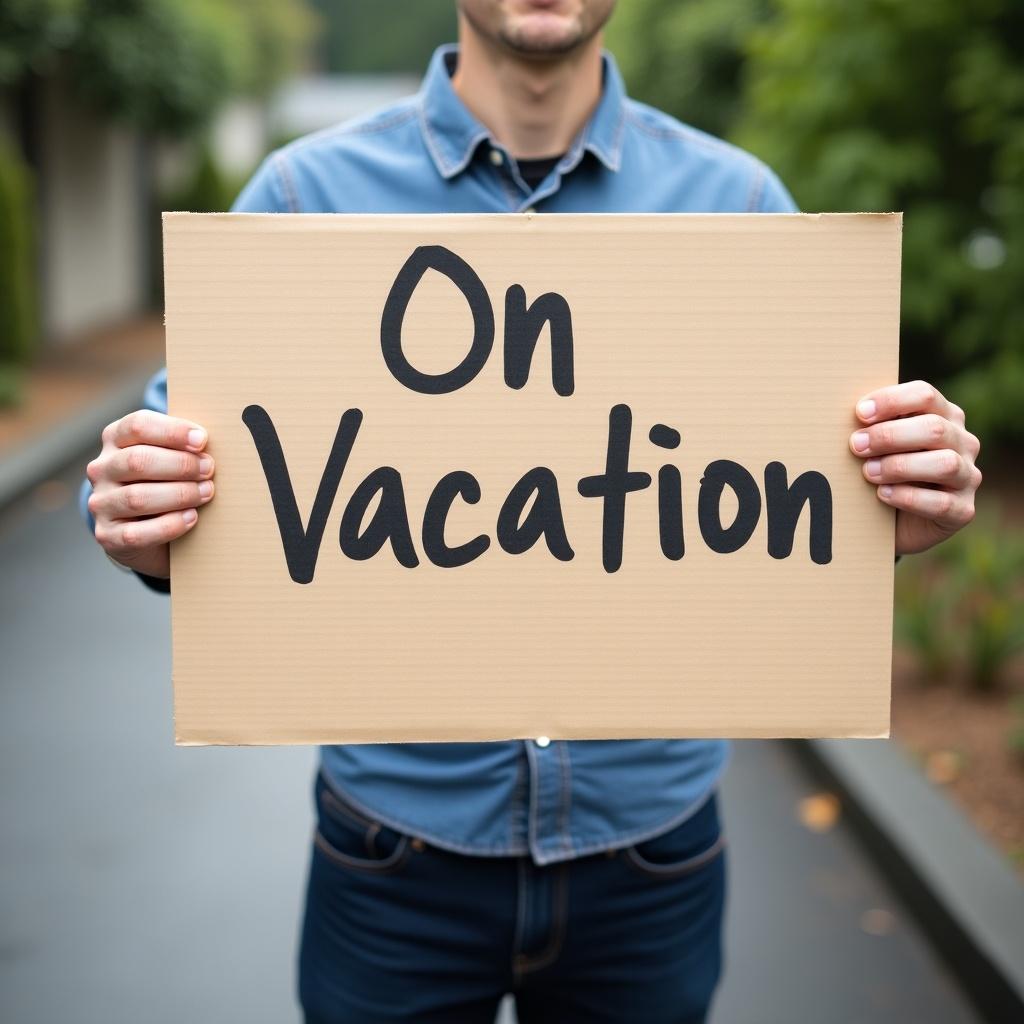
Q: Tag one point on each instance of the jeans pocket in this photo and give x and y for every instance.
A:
(687, 848)
(350, 839)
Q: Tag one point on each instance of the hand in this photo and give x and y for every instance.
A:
(922, 457)
(148, 482)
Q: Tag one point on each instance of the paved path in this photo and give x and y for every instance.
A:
(139, 882)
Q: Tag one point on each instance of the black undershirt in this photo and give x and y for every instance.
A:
(533, 172)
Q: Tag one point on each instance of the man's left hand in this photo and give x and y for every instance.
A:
(921, 457)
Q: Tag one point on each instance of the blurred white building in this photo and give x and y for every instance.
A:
(93, 202)
(98, 184)
(245, 130)
(310, 103)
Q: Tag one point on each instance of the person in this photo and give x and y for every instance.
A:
(587, 878)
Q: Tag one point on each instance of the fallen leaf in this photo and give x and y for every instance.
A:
(878, 921)
(819, 812)
(943, 767)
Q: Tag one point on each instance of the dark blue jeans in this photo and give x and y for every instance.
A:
(396, 930)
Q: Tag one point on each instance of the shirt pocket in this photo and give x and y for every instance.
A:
(351, 840)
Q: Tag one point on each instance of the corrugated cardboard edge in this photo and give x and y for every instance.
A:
(193, 738)
(887, 734)
(199, 738)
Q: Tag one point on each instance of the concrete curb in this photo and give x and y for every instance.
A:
(963, 894)
(41, 458)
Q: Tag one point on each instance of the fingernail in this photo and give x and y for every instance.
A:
(205, 489)
(196, 438)
(866, 410)
(206, 465)
(190, 515)
(861, 440)
(872, 468)
(885, 491)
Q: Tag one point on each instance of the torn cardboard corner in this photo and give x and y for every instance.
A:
(486, 477)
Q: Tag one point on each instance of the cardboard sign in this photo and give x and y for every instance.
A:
(485, 477)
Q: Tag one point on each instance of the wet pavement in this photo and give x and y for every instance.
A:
(140, 882)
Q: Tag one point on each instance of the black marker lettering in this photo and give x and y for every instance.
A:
(523, 325)
(716, 477)
(390, 520)
(670, 513)
(447, 489)
(664, 437)
(544, 518)
(670, 496)
(462, 275)
(784, 505)
(614, 484)
(301, 545)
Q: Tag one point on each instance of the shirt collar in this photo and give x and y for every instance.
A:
(452, 133)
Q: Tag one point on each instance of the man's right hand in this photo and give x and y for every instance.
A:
(147, 484)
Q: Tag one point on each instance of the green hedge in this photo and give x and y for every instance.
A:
(19, 327)
(877, 105)
(960, 606)
(164, 65)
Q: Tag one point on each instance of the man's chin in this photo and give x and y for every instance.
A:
(543, 36)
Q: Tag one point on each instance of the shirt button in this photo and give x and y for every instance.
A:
(542, 741)
(496, 158)
(530, 209)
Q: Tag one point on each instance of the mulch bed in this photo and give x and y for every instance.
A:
(962, 740)
(65, 378)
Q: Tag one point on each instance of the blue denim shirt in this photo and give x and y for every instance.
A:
(550, 800)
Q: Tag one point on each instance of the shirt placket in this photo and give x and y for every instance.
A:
(550, 795)
(509, 182)
(565, 166)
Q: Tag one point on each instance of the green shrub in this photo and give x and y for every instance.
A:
(19, 327)
(877, 105)
(986, 567)
(1015, 737)
(688, 58)
(163, 65)
(204, 191)
(209, 189)
(386, 35)
(961, 606)
(12, 379)
(923, 607)
(881, 105)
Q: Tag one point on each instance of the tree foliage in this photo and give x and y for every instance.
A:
(386, 35)
(879, 105)
(687, 58)
(18, 327)
(162, 64)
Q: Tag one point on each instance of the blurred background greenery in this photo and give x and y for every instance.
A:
(877, 105)
(880, 105)
(859, 105)
(112, 110)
